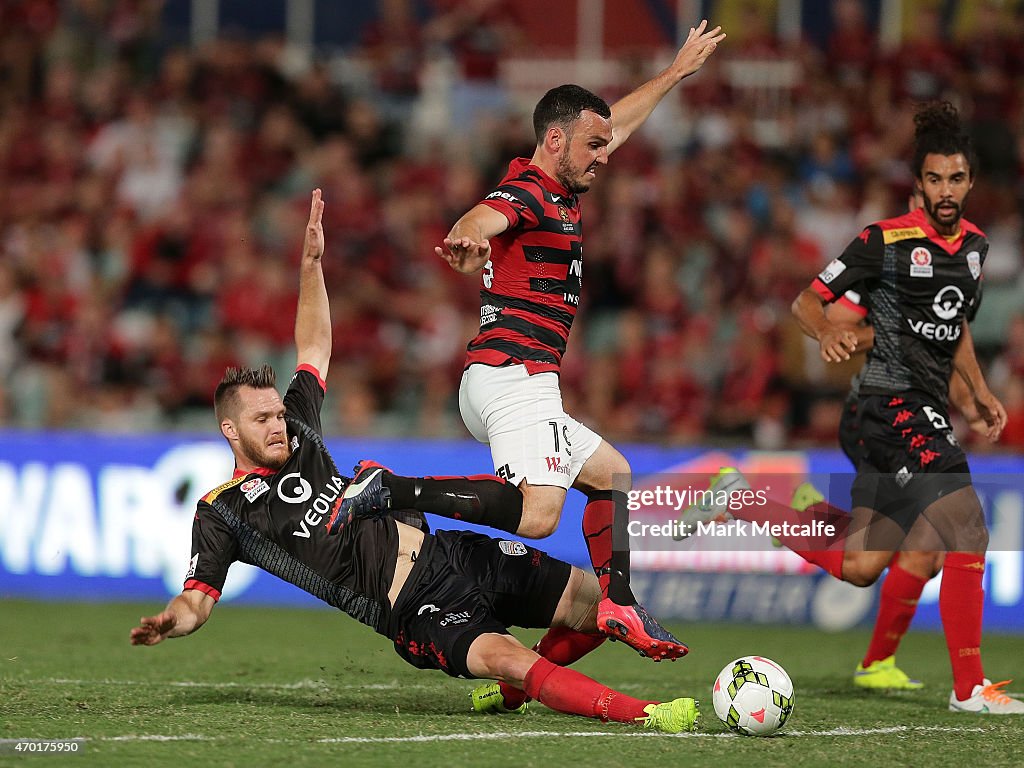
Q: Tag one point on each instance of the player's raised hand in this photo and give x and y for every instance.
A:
(314, 245)
(700, 43)
(837, 344)
(153, 629)
(463, 254)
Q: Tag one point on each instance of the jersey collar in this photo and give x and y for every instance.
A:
(521, 164)
(264, 471)
(949, 246)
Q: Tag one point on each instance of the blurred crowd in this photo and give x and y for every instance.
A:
(152, 203)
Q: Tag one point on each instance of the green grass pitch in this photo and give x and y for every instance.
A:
(275, 687)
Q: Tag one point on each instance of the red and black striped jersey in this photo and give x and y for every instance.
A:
(530, 288)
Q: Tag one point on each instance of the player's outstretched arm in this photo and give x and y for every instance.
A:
(467, 247)
(313, 316)
(185, 614)
(629, 112)
(975, 397)
(836, 343)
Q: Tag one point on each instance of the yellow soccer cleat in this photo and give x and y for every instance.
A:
(488, 699)
(806, 495)
(673, 716)
(884, 675)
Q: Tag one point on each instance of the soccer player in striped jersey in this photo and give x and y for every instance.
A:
(446, 599)
(525, 238)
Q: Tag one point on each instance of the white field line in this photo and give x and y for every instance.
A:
(634, 734)
(313, 685)
(297, 685)
(512, 735)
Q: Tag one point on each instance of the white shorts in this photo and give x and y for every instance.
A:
(521, 417)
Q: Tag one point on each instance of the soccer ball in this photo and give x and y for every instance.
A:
(753, 696)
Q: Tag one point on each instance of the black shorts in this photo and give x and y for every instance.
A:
(464, 585)
(849, 431)
(909, 459)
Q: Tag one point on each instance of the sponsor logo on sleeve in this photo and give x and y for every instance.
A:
(499, 194)
(192, 566)
(834, 269)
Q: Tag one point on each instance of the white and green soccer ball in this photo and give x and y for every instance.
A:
(753, 696)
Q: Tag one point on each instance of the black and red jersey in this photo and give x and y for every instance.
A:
(277, 521)
(920, 287)
(530, 288)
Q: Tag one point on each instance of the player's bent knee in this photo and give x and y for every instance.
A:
(924, 565)
(863, 570)
(541, 513)
(500, 657)
(538, 526)
(542, 509)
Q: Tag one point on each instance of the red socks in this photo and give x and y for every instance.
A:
(814, 549)
(561, 646)
(597, 532)
(897, 604)
(606, 531)
(960, 605)
(566, 690)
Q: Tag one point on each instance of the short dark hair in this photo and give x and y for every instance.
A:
(937, 131)
(563, 105)
(225, 399)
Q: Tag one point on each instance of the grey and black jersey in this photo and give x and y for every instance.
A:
(277, 521)
(920, 287)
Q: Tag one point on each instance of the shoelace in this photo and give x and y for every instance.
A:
(653, 628)
(995, 694)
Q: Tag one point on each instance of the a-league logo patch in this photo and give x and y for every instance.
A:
(512, 547)
(920, 262)
(254, 488)
(192, 566)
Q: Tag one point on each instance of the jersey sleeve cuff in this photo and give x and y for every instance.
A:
(853, 306)
(504, 209)
(205, 588)
(822, 290)
(310, 369)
